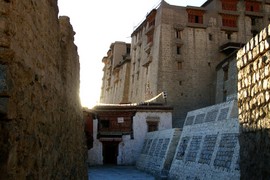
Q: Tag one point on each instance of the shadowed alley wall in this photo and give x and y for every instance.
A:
(41, 126)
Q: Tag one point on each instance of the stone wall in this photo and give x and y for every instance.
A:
(158, 151)
(253, 63)
(208, 147)
(41, 123)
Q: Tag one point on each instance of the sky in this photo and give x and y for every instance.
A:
(97, 24)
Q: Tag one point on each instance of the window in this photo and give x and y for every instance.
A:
(230, 5)
(195, 18)
(210, 37)
(229, 36)
(138, 75)
(132, 78)
(178, 50)
(253, 6)
(178, 34)
(229, 22)
(152, 126)
(128, 50)
(105, 123)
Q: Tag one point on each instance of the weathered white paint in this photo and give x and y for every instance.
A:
(129, 149)
(95, 154)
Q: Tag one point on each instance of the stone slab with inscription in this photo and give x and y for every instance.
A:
(158, 150)
(208, 147)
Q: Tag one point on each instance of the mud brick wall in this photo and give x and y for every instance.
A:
(41, 127)
(253, 63)
(158, 151)
(208, 147)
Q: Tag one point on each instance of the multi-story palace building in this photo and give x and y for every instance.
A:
(115, 82)
(177, 49)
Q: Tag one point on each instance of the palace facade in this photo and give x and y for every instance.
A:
(179, 50)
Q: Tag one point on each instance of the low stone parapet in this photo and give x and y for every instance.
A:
(208, 147)
(158, 151)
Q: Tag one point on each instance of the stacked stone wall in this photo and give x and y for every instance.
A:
(208, 147)
(41, 127)
(253, 63)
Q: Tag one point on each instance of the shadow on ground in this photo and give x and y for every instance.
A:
(117, 173)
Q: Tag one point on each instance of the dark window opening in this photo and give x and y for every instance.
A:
(196, 19)
(128, 50)
(229, 36)
(152, 126)
(231, 6)
(178, 34)
(230, 21)
(253, 6)
(210, 37)
(180, 83)
(105, 123)
(178, 50)
(138, 75)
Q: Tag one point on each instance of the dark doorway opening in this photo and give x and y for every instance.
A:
(110, 152)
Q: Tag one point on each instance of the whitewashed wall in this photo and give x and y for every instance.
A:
(130, 149)
(95, 154)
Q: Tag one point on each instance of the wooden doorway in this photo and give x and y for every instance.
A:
(110, 152)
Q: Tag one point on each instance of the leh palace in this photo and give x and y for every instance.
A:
(187, 98)
(172, 99)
